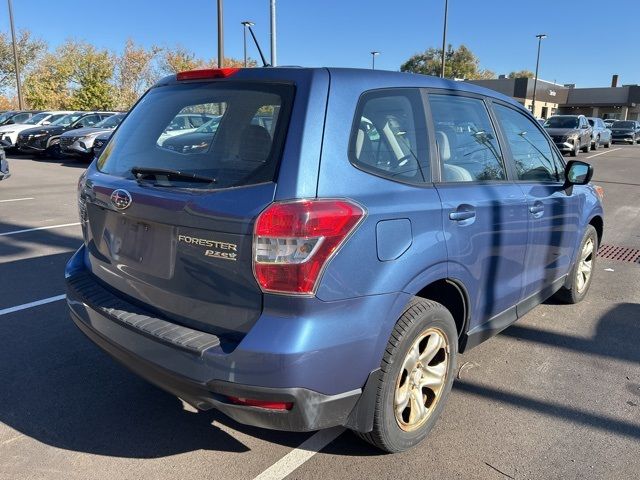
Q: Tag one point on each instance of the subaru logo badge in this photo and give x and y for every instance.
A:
(121, 199)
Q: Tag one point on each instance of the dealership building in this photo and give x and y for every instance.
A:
(622, 103)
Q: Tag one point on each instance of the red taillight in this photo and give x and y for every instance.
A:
(206, 73)
(293, 242)
(261, 403)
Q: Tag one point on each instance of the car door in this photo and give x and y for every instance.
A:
(484, 213)
(551, 208)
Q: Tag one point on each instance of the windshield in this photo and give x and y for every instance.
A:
(562, 122)
(229, 147)
(110, 122)
(36, 119)
(67, 119)
(6, 116)
(622, 124)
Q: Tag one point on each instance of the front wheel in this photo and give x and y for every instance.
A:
(608, 144)
(416, 376)
(596, 144)
(582, 271)
(576, 148)
(54, 151)
(587, 147)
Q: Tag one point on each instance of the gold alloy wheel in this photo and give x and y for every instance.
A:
(585, 265)
(422, 379)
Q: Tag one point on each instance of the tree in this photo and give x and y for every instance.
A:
(76, 76)
(521, 74)
(135, 72)
(179, 59)
(459, 63)
(30, 51)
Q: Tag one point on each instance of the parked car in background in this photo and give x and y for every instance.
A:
(197, 141)
(101, 142)
(79, 142)
(45, 140)
(609, 122)
(627, 131)
(4, 165)
(16, 116)
(601, 135)
(9, 133)
(327, 270)
(570, 133)
(184, 123)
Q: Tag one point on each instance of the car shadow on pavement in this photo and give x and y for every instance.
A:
(65, 161)
(30, 241)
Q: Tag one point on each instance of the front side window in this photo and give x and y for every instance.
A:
(228, 148)
(533, 157)
(388, 136)
(466, 139)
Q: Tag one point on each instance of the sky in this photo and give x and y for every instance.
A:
(588, 40)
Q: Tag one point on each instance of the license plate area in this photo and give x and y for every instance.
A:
(138, 246)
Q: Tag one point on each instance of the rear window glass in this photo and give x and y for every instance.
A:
(233, 133)
(388, 136)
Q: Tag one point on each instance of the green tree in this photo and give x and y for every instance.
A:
(30, 51)
(459, 63)
(136, 71)
(45, 87)
(521, 74)
(179, 59)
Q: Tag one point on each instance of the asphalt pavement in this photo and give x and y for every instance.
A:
(555, 396)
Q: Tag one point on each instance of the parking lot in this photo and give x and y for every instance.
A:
(557, 395)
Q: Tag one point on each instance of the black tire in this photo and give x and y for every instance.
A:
(596, 143)
(419, 316)
(54, 152)
(608, 144)
(575, 150)
(587, 147)
(570, 293)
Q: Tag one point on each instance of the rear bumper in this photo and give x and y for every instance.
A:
(306, 369)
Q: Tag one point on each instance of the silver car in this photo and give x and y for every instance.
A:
(601, 134)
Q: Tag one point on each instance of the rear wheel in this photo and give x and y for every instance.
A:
(582, 272)
(416, 376)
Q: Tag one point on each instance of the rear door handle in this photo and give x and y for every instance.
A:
(537, 208)
(462, 214)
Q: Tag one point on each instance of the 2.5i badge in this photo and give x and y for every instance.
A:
(213, 248)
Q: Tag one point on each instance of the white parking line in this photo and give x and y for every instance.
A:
(608, 151)
(15, 232)
(17, 199)
(295, 458)
(37, 303)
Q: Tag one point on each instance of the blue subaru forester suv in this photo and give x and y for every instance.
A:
(322, 247)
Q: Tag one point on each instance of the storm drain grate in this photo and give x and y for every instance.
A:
(622, 254)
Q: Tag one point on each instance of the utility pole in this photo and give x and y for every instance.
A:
(535, 79)
(15, 55)
(373, 59)
(246, 24)
(220, 36)
(444, 36)
(273, 32)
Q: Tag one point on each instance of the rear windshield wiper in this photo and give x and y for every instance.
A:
(165, 174)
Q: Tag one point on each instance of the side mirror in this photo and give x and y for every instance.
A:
(578, 173)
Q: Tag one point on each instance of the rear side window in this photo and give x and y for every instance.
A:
(389, 136)
(533, 157)
(466, 139)
(206, 129)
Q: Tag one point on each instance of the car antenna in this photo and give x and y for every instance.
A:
(255, 40)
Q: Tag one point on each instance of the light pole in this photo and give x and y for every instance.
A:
(15, 55)
(246, 24)
(540, 37)
(444, 37)
(272, 14)
(220, 36)
(373, 59)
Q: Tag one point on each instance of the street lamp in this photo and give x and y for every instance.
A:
(373, 59)
(220, 36)
(540, 37)
(15, 55)
(444, 36)
(246, 24)
(272, 20)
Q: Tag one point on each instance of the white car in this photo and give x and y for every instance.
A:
(184, 123)
(9, 133)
